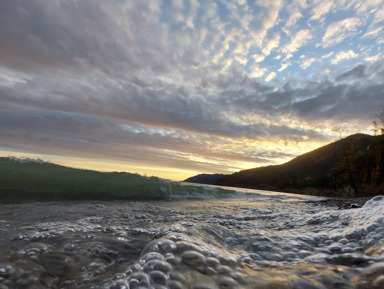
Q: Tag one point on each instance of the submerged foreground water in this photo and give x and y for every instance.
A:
(249, 241)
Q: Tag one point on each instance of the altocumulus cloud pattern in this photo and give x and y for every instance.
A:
(212, 86)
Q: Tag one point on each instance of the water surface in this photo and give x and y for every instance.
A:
(250, 240)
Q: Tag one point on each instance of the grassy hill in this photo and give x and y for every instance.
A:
(352, 166)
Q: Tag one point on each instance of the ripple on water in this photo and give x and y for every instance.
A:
(248, 248)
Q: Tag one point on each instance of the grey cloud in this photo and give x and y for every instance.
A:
(156, 109)
(358, 99)
(91, 67)
(78, 35)
(358, 72)
(314, 101)
(165, 105)
(40, 34)
(322, 104)
(55, 132)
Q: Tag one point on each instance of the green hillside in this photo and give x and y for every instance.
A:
(349, 167)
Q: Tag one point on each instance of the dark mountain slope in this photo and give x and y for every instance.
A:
(328, 169)
(207, 179)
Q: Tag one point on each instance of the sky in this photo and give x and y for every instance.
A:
(173, 88)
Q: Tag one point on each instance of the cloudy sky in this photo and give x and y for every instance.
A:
(173, 88)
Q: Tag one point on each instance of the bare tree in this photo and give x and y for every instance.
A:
(375, 128)
(338, 129)
(380, 116)
(380, 177)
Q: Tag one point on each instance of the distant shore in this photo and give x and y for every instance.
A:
(363, 192)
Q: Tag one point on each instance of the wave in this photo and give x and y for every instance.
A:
(40, 181)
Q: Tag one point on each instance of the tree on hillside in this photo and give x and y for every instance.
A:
(348, 172)
(380, 173)
(375, 128)
(380, 116)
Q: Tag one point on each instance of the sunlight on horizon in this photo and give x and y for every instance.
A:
(167, 172)
(105, 165)
(178, 88)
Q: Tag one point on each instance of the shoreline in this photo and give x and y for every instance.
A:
(340, 203)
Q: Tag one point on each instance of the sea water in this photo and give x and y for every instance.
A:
(247, 239)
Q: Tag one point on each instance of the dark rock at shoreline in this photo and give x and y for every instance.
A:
(341, 203)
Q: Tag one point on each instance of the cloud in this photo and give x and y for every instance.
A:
(300, 39)
(270, 76)
(82, 135)
(321, 10)
(146, 127)
(306, 62)
(338, 31)
(295, 16)
(373, 33)
(359, 72)
(345, 102)
(367, 7)
(257, 71)
(344, 55)
(81, 35)
(284, 66)
(186, 84)
(375, 58)
(258, 57)
(270, 45)
(272, 8)
(328, 55)
(379, 16)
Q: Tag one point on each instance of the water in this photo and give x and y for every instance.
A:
(202, 238)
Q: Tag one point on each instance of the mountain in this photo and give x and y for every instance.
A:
(352, 166)
(207, 179)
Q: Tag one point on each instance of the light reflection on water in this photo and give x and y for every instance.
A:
(264, 241)
(262, 193)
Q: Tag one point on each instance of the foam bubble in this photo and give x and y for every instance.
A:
(157, 265)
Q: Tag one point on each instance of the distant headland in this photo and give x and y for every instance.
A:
(350, 167)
